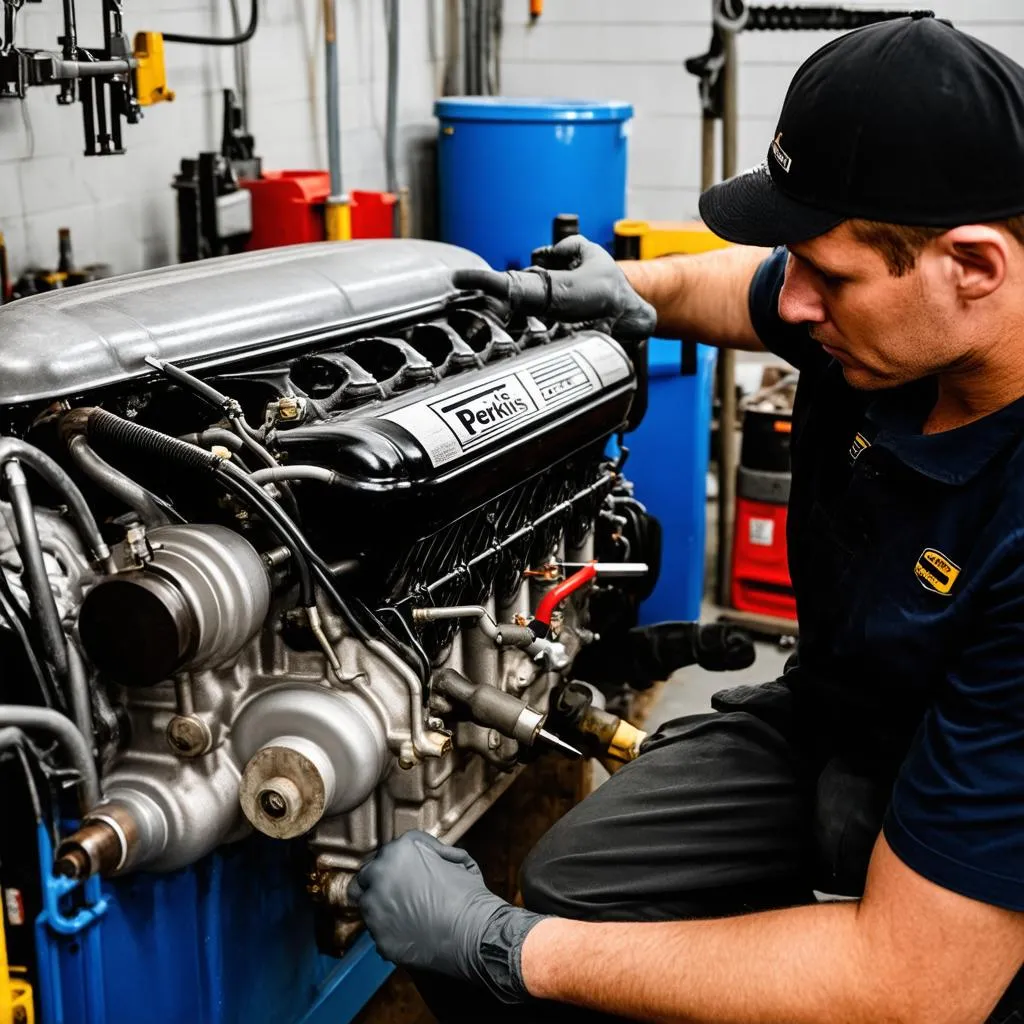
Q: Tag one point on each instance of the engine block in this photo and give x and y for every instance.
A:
(326, 482)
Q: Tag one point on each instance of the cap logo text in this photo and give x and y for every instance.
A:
(784, 159)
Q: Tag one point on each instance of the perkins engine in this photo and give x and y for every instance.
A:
(300, 541)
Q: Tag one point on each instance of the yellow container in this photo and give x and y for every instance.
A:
(649, 239)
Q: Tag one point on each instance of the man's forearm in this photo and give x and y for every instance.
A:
(806, 964)
(702, 297)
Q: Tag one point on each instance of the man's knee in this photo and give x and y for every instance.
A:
(547, 880)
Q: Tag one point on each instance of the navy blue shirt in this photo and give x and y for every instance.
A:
(907, 557)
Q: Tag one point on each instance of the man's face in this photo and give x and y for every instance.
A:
(883, 330)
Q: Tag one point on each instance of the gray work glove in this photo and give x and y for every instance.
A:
(427, 907)
(574, 281)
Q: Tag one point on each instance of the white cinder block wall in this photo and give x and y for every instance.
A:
(634, 50)
(121, 209)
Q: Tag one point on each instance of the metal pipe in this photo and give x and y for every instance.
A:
(338, 213)
(424, 743)
(116, 483)
(392, 8)
(33, 570)
(79, 698)
(726, 357)
(67, 735)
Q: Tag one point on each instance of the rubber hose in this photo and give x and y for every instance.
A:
(116, 483)
(58, 479)
(79, 698)
(278, 473)
(108, 427)
(235, 40)
(105, 426)
(68, 736)
(37, 583)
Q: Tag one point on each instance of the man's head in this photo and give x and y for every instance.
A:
(893, 304)
(895, 177)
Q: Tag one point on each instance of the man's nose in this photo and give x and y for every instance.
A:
(799, 300)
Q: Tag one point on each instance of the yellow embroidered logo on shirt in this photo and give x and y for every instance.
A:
(936, 572)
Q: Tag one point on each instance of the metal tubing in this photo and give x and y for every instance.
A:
(67, 735)
(423, 742)
(116, 483)
(727, 360)
(338, 212)
(393, 8)
(33, 570)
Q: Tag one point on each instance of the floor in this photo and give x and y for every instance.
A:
(689, 690)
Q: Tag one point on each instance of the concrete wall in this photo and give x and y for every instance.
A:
(121, 210)
(634, 50)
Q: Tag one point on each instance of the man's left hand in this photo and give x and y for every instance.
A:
(427, 907)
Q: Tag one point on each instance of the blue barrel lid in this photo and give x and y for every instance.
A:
(530, 109)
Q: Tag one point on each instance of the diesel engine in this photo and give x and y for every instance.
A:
(301, 542)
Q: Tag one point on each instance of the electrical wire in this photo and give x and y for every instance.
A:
(414, 643)
(235, 40)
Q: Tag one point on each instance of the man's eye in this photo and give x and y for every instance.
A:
(833, 281)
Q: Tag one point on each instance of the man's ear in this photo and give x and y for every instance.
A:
(978, 256)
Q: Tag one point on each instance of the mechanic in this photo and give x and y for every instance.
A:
(888, 762)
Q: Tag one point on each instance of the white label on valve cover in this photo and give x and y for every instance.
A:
(762, 532)
(461, 420)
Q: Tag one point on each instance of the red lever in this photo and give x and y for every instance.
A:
(550, 601)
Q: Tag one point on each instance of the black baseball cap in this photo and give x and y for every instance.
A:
(909, 122)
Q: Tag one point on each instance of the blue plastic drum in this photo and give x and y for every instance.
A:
(507, 167)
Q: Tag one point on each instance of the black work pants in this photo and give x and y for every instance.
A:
(723, 813)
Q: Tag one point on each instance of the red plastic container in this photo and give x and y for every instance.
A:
(288, 209)
(760, 571)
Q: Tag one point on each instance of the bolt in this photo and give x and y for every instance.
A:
(435, 723)
(188, 735)
(405, 761)
(493, 739)
(273, 804)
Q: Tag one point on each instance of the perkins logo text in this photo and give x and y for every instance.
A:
(495, 407)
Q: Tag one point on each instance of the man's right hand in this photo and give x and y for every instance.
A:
(574, 281)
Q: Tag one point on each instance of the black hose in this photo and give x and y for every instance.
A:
(236, 40)
(271, 512)
(105, 426)
(235, 481)
(116, 483)
(20, 625)
(37, 583)
(58, 479)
